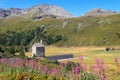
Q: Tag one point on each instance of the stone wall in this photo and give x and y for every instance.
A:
(58, 57)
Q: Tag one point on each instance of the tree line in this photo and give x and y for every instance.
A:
(12, 42)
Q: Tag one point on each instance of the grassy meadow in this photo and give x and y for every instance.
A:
(18, 34)
(89, 53)
(82, 31)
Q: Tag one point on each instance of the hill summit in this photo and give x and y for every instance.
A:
(36, 12)
(100, 12)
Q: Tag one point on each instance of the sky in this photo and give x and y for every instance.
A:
(75, 7)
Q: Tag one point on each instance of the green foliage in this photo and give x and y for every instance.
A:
(81, 31)
(1, 49)
(25, 38)
(50, 39)
(21, 70)
(22, 53)
(11, 50)
(70, 65)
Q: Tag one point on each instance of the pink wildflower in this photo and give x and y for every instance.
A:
(116, 60)
(106, 67)
(76, 70)
(103, 78)
(80, 57)
(101, 61)
(97, 61)
(84, 67)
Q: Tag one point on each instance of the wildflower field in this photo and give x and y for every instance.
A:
(87, 64)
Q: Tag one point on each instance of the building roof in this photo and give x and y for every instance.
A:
(38, 45)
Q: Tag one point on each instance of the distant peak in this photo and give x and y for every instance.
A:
(100, 12)
(49, 10)
(37, 12)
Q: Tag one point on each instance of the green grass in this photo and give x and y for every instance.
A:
(90, 52)
(97, 31)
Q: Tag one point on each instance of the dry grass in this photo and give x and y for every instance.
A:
(76, 51)
(90, 52)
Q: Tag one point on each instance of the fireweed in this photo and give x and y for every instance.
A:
(117, 71)
(64, 70)
(99, 69)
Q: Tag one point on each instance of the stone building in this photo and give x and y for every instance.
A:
(38, 49)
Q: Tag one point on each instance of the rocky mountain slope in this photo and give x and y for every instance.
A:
(101, 29)
(51, 11)
(36, 12)
(83, 31)
(100, 12)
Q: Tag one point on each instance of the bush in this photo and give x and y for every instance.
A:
(107, 49)
(22, 53)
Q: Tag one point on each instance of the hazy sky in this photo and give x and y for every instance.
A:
(75, 7)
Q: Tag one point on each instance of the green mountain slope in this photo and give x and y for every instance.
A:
(81, 31)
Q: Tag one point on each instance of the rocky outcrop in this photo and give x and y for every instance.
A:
(15, 11)
(49, 10)
(100, 12)
(4, 13)
(39, 11)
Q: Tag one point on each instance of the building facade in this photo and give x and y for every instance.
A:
(38, 49)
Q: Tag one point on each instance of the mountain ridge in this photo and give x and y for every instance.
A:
(100, 12)
(82, 31)
(38, 11)
(50, 11)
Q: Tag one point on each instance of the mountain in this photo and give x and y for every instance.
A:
(48, 11)
(82, 31)
(15, 11)
(101, 29)
(37, 12)
(100, 12)
(4, 13)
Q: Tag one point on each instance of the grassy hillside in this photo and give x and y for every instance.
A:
(81, 31)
